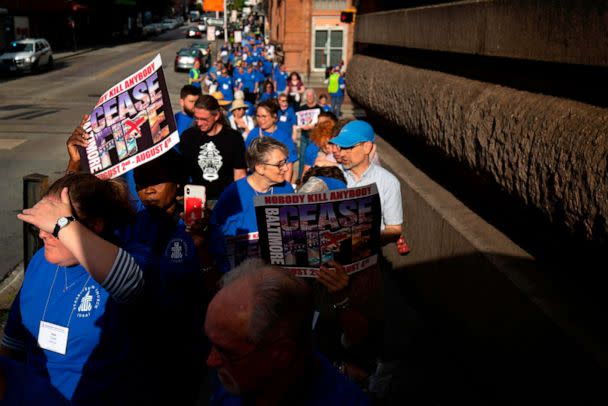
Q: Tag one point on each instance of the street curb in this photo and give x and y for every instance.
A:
(10, 286)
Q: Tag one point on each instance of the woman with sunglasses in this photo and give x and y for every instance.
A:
(233, 225)
(266, 117)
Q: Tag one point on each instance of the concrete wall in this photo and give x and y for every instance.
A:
(567, 31)
(549, 152)
(487, 294)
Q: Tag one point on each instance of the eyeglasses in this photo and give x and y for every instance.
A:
(279, 165)
(206, 119)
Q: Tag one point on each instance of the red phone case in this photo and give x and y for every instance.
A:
(193, 209)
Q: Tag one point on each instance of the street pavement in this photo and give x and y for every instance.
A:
(39, 111)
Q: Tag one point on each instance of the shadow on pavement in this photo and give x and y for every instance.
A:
(469, 336)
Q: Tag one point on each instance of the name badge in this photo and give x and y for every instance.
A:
(283, 118)
(225, 86)
(53, 337)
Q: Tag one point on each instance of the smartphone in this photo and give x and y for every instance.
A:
(194, 203)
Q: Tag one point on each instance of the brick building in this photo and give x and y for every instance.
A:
(311, 33)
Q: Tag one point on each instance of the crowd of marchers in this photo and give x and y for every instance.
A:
(126, 303)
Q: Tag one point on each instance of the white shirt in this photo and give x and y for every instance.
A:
(389, 190)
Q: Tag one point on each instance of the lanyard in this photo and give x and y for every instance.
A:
(51, 290)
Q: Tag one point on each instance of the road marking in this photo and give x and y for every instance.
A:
(10, 143)
(115, 68)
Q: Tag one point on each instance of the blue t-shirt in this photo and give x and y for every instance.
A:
(326, 108)
(249, 81)
(266, 67)
(103, 334)
(212, 70)
(278, 135)
(327, 387)
(259, 76)
(183, 122)
(310, 155)
(175, 296)
(237, 79)
(332, 183)
(267, 96)
(234, 216)
(225, 86)
(287, 119)
(281, 79)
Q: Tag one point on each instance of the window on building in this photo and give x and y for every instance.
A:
(330, 4)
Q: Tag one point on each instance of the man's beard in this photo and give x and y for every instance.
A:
(189, 112)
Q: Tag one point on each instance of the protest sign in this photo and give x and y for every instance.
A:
(210, 33)
(308, 117)
(131, 124)
(299, 232)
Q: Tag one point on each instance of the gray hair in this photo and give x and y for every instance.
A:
(282, 303)
(259, 149)
(309, 90)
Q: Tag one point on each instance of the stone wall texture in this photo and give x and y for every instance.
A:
(565, 31)
(550, 153)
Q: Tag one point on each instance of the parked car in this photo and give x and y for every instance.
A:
(193, 32)
(27, 55)
(202, 25)
(185, 57)
(169, 23)
(152, 29)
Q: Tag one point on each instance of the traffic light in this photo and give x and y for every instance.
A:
(347, 17)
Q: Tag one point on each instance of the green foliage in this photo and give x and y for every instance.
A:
(236, 5)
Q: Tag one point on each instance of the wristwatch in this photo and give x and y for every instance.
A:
(62, 222)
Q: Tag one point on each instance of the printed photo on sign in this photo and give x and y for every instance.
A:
(131, 124)
(307, 117)
(300, 232)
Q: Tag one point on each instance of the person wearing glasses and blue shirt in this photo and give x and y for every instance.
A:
(233, 225)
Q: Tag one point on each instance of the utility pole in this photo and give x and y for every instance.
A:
(225, 22)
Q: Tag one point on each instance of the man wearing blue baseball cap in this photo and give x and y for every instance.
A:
(352, 148)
